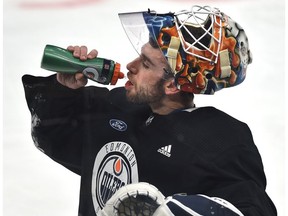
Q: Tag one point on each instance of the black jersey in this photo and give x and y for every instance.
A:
(111, 142)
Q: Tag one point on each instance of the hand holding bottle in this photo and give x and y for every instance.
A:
(75, 65)
(76, 80)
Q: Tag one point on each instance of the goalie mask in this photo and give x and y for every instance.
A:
(205, 49)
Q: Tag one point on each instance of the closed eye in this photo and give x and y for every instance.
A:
(145, 64)
(145, 61)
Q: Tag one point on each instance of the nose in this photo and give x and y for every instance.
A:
(132, 66)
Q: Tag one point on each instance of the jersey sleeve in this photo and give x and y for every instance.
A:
(245, 184)
(55, 114)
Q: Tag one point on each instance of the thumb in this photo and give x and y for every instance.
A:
(79, 76)
(81, 79)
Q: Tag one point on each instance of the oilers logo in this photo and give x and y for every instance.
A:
(115, 166)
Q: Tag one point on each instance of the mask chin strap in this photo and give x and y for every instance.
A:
(225, 63)
(172, 52)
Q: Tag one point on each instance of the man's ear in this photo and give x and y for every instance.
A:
(170, 87)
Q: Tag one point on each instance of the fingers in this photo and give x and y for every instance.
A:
(93, 54)
(81, 52)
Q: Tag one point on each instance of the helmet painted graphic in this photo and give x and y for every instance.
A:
(206, 50)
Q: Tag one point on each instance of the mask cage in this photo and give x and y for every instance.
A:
(196, 29)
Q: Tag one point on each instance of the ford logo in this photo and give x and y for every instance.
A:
(118, 125)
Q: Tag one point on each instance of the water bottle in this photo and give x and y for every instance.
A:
(101, 70)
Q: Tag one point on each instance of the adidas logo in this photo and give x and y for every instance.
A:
(166, 150)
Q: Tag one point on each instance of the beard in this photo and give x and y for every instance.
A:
(147, 94)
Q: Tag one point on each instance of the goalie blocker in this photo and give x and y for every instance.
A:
(146, 200)
(196, 205)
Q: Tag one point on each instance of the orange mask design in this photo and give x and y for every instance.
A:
(206, 50)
